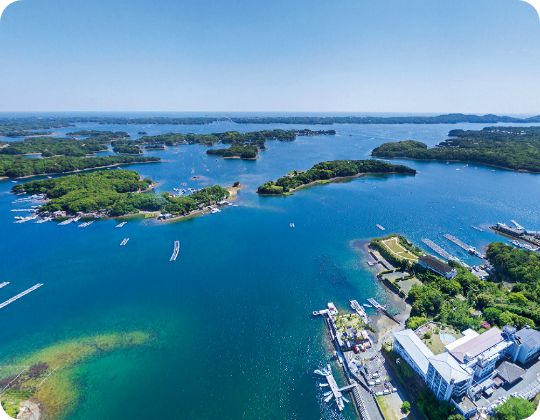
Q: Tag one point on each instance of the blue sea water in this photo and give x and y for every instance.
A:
(232, 315)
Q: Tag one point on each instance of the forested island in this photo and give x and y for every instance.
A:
(20, 127)
(242, 151)
(127, 150)
(333, 170)
(19, 167)
(117, 192)
(507, 147)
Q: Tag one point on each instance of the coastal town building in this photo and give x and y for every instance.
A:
(468, 368)
(433, 264)
(409, 346)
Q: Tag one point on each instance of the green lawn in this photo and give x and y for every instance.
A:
(395, 247)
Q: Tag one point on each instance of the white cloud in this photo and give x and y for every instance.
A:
(3, 5)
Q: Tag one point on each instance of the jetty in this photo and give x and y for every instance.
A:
(459, 243)
(124, 242)
(439, 250)
(380, 227)
(65, 222)
(359, 309)
(20, 295)
(175, 251)
(517, 225)
(335, 391)
(19, 210)
(378, 307)
(4, 284)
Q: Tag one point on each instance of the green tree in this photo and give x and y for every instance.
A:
(514, 409)
(405, 407)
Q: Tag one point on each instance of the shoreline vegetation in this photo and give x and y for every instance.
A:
(116, 193)
(22, 127)
(331, 171)
(17, 167)
(55, 155)
(513, 148)
(48, 388)
(509, 296)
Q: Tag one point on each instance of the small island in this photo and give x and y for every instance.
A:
(331, 171)
(238, 151)
(514, 148)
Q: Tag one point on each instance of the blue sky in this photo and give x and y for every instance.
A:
(475, 56)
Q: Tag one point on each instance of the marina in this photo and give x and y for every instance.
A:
(335, 391)
(439, 250)
(175, 251)
(20, 295)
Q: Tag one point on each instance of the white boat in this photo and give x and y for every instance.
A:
(367, 306)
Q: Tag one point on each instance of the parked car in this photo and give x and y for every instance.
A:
(378, 382)
(378, 394)
(386, 392)
(371, 383)
(375, 375)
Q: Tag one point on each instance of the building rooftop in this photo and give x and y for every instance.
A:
(465, 404)
(478, 345)
(468, 335)
(529, 336)
(449, 368)
(436, 264)
(418, 351)
(510, 372)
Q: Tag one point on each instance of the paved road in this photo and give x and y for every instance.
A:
(404, 393)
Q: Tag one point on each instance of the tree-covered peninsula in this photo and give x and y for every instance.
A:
(117, 192)
(20, 167)
(514, 148)
(332, 170)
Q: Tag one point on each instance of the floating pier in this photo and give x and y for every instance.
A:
(477, 228)
(378, 306)
(439, 250)
(86, 224)
(360, 311)
(380, 227)
(4, 284)
(20, 295)
(459, 243)
(124, 242)
(175, 251)
(335, 391)
(65, 222)
(121, 224)
(517, 225)
(32, 210)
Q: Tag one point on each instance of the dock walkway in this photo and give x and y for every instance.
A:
(20, 295)
(439, 250)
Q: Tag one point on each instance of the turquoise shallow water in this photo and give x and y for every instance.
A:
(232, 315)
